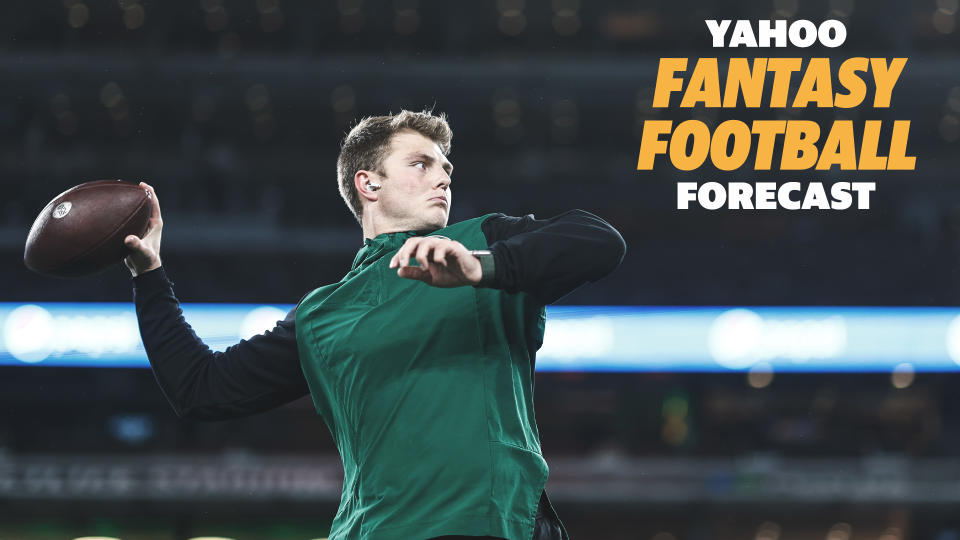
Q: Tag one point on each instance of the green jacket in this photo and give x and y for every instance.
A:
(428, 394)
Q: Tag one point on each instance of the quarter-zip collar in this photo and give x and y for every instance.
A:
(376, 247)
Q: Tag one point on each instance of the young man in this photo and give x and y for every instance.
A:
(420, 360)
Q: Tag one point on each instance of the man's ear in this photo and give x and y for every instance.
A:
(360, 181)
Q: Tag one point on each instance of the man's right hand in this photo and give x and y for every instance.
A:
(145, 252)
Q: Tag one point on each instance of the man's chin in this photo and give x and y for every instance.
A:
(438, 220)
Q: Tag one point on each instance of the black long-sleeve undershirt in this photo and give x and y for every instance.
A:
(549, 258)
(544, 258)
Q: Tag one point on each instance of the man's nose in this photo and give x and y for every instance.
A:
(444, 180)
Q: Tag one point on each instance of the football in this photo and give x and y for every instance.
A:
(81, 231)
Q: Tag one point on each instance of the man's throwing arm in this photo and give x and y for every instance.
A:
(252, 376)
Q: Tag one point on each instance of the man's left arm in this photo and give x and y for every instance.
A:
(549, 258)
(545, 258)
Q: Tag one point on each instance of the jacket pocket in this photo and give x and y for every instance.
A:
(518, 478)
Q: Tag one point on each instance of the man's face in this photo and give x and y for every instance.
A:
(416, 191)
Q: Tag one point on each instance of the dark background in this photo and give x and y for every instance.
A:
(234, 111)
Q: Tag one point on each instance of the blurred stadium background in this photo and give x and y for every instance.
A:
(233, 110)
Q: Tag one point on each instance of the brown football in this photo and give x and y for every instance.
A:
(81, 231)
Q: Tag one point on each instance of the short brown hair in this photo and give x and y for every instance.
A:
(368, 143)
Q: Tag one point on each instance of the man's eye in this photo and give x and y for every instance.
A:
(420, 164)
